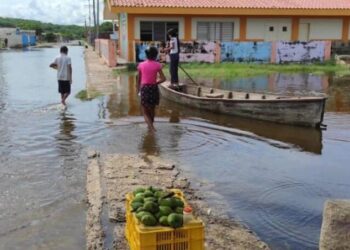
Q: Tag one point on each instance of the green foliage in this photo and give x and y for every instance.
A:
(233, 70)
(67, 31)
(50, 37)
(83, 95)
(106, 27)
(128, 69)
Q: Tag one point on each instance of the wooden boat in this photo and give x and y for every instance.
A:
(293, 110)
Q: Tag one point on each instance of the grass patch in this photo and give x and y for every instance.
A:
(129, 68)
(234, 70)
(83, 95)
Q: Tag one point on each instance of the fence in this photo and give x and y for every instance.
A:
(107, 51)
(264, 52)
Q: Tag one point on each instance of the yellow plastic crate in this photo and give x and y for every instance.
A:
(140, 237)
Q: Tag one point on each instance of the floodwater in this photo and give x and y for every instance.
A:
(273, 178)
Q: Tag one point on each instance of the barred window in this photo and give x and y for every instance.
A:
(156, 31)
(215, 31)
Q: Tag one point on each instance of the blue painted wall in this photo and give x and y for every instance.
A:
(246, 51)
(32, 40)
(25, 40)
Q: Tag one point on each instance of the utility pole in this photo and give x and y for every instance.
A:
(89, 28)
(89, 13)
(98, 19)
(94, 14)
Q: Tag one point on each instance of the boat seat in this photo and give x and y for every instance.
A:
(199, 90)
(215, 95)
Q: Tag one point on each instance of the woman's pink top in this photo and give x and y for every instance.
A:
(149, 70)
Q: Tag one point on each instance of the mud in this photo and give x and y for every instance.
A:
(112, 176)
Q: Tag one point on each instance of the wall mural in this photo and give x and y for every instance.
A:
(265, 52)
(193, 51)
(313, 51)
(246, 51)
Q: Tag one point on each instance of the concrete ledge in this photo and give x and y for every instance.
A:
(335, 231)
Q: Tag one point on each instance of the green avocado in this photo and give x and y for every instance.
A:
(178, 202)
(149, 220)
(164, 221)
(148, 193)
(165, 202)
(151, 207)
(165, 211)
(140, 195)
(138, 199)
(175, 220)
(138, 190)
(136, 205)
(153, 199)
(179, 210)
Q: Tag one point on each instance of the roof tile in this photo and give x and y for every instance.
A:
(263, 4)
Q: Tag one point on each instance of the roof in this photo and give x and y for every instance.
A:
(238, 4)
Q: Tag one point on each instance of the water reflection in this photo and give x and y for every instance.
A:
(307, 139)
(3, 86)
(149, 144)
(124, 102)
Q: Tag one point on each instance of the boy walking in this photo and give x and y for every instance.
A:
(63, 65)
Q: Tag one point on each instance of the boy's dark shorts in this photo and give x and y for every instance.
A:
(64, 87)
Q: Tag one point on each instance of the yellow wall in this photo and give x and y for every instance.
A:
(346, 29)
(241, 25)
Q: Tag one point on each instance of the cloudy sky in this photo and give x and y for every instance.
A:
(53, 11)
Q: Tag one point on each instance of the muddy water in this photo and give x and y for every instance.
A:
(273, 178)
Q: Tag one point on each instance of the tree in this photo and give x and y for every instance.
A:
(50, 37)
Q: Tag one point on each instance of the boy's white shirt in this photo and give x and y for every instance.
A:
(173, 42)
(62, 61)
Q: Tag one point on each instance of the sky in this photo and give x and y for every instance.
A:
(53, 11)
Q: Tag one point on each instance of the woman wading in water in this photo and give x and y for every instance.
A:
(150, 74)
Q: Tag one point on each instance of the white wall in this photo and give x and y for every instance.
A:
(180, 20)
(209, 19)
(13, 38)
(124, 40)
(258, 28)
(324, 28)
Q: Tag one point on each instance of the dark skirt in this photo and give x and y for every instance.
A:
(149, 95)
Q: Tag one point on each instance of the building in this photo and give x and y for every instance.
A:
(230, 20)
(16, 38)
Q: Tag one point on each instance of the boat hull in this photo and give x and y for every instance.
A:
(301, 112)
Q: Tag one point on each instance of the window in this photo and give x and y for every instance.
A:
(284, 29)
(271, 28)
(156, 31)
(215, 31)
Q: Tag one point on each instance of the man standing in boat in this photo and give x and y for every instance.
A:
(174, 54)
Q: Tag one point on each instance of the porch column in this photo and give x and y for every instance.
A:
(188, 28)
(131, 37)
(295, 29)
(243, 29)
(346, 25)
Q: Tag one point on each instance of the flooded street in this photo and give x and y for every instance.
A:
(273, 178)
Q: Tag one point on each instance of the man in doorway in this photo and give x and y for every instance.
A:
(63, 65)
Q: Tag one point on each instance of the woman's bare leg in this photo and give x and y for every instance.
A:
(148, 118)
(152, 113)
